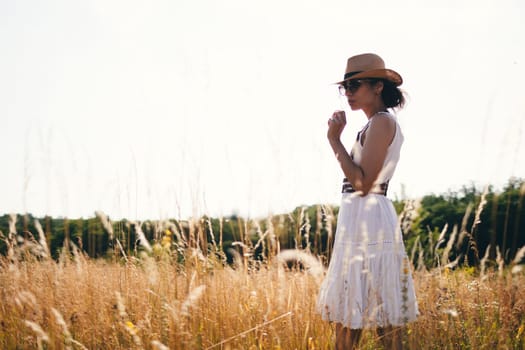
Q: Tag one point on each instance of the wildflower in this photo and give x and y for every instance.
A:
(470, 270)
(520, 331)
(131, 327)
(166, 241)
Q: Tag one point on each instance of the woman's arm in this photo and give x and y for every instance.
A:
(379, 135)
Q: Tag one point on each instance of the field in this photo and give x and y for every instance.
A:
(154, 302)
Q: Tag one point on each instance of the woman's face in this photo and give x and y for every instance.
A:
(361, 93)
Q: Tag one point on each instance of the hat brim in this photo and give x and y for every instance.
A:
(387, 74)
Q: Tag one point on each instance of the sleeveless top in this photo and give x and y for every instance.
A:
(392, 154)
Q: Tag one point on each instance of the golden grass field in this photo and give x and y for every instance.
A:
(156, 303)
(173, 295)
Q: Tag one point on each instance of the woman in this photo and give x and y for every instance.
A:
(368, 283)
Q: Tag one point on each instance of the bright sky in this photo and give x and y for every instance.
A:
(171, 108)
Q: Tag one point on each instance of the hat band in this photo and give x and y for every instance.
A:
(350, 74)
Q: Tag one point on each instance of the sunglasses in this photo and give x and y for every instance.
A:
(351, 85)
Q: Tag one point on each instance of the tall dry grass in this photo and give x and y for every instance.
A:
(155, 301)
(199, 305)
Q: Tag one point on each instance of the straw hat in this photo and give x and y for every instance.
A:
(369, 65)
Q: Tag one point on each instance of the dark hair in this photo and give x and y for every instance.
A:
(392, 96)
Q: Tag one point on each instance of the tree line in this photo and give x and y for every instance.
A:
(462, 227)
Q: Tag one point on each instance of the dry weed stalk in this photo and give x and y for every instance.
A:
(126, 323)
(39, 332)
(249, 330)
(106, 223)
(483, 262)
(42, 239)
(448, 247)
(142, 238)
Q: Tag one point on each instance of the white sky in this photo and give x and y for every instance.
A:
(158, 108)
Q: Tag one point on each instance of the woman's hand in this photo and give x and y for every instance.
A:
(336, 124)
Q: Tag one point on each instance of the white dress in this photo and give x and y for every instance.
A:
(368, 283)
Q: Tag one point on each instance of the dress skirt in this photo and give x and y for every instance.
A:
(368, 283)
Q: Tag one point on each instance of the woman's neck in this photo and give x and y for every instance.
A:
(373, 110)
(374, 106)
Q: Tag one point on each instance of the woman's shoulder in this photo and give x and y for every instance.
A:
(384, 115)
(383, 126)
(383, 120)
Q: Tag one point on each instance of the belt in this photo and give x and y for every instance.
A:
(377, 189)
